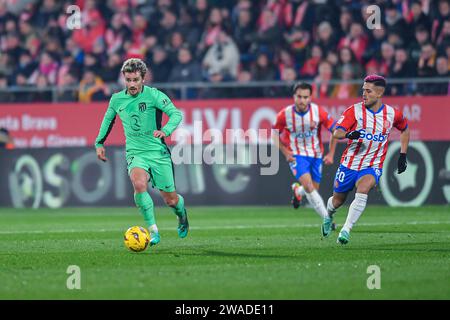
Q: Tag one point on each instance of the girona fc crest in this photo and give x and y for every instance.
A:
(313, 124)
(386, 124)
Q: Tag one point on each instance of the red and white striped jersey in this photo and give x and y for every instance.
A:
(369, 151)
(300, 131)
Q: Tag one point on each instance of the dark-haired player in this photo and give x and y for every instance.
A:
(367, 126)
(298, 135)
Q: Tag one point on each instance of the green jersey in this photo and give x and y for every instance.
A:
(141, 115)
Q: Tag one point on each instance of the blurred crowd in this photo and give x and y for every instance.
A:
(221, 41)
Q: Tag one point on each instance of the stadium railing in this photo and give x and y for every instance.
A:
(199, 90)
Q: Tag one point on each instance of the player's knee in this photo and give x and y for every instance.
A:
(171, 201)
(139, 185)
(309, 187)
(363, 189)
(337, 202)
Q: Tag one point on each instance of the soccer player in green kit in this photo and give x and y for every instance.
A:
(148, 158)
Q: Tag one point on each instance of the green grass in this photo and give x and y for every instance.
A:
(230, 253)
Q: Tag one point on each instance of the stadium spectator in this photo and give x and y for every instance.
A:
(284, 60)
(65, 85)
(297, 41)
(444, 36)
(327, 40)
(321, 86)
(26, 64)
(387, 59)
(347, 57)
(211, 31)
(422, 36)
(111, 73)
(28, 34)
(243, 34)
(427, 60)
(200, 13)
(222, 57)
(263, 69)
(42, 92)
(299, 14)
(333, 59)
(186, 68)
(6, 141)
(21, 80)
(245, 76)
(344, 89)
(13, 47)
(402, 68)
(426, 67)
(92, 88)
(268, 31)
(175, 42)
(5, 95)
(288, 75)
(416, 17)
(93, 31)
(345, 22)
(309, 69)
(442, 16)
(442, 70)
(279, 28)
(160, 66)
(378, 36)
(356, 40)
(395, 23)
(48, 67)
(117, 32)
(49, 10)
(67, 65)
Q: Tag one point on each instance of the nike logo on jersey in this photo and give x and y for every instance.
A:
(120, 110)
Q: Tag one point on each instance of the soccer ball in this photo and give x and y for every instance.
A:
(136, 238)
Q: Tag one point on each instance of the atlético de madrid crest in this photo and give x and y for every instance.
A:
(142, 106)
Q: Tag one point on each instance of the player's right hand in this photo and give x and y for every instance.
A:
(402, 163)
(353, 135)
(289, 156)
(101, 153)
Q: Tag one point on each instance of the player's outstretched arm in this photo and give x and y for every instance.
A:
(105, 129)
(329, 157)
(339, 134)
(101, 153)
(277, 141)
(404, 142)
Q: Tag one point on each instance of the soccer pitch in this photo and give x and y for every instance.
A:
(230, 253)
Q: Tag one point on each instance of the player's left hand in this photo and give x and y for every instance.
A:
(402, 163)
(159, 134)
(328, 159)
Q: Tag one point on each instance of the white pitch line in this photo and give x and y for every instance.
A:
(277, 226)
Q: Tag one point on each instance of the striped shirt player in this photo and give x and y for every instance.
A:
(366, 154)
(301, 132)
(299, 138)
(367, 126)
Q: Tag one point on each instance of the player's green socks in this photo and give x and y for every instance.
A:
(179, 208)
(145, 204)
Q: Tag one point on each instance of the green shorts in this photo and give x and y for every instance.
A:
(158, 165)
